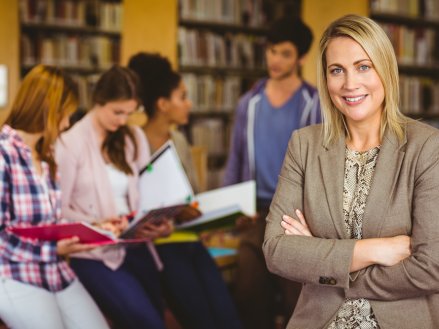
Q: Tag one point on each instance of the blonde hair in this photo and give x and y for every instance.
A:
(45, 97)
(371, 37)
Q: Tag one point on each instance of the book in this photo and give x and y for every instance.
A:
(179, 213)
(86, 233)
(221, 207)
(165, 189)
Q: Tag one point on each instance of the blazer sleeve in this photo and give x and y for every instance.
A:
(299, 258)
(67, 161)
(418, 274)
(232, 173)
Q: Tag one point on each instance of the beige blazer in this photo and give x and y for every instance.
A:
(403, 199)
(86, 191)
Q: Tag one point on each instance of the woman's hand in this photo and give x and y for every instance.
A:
(155, 230)
(72, 245)
(380, 251)
(393, 250)
(295, 227)
(115, 225)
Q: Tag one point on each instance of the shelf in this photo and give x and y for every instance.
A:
(405, 20)
(69, 68)
(224, 115)
(216, 160)
(57, 28)
(222, 27)
(428, 71)
(248, 72)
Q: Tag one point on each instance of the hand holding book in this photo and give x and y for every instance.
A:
(72, 245)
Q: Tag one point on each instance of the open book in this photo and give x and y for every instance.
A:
(164, 191)
(163, 183)
(85, 232)
(221, 207)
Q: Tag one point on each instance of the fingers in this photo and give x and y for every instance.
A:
(301, 218)
(295, 227)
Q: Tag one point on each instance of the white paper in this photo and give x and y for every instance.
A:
(165, 184)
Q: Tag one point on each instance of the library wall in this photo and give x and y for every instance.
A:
(318, 15)
(149, 25)
(9, 49)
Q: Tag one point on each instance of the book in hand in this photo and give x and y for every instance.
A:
(163, 183)
(221, 207)
(86, 233)
(178, 213)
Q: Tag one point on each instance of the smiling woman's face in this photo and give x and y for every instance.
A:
(354, 85)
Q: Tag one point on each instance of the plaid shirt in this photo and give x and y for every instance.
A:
(28, 199)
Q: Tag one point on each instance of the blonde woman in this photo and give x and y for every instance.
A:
(354, 214)
(38, 290)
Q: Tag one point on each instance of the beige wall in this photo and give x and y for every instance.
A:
(9, 48)
(318, 14)
(149, 25)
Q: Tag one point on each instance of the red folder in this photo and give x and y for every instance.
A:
(85, 232)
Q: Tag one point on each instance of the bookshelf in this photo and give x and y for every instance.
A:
(413, 28)
(81, 36)
(221, 53)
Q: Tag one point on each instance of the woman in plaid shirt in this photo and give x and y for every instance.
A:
(37, 287)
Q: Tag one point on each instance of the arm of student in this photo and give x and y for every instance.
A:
(418, 274)
(67, 160)
(234, 160)
(301, 258)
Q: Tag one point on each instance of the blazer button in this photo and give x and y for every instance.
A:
(332, 281)
(323, 280)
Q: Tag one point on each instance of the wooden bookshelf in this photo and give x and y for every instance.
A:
(221, 55)
(222, 27)
(81, 36)
(413, 28)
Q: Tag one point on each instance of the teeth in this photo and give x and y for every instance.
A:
(354, 99)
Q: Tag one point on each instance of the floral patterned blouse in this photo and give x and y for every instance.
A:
(359, 169)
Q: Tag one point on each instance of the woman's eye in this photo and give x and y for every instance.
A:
(337, 70)
(364, 67)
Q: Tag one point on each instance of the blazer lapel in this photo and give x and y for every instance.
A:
(332, 163)
(104, 191)
(383, 183)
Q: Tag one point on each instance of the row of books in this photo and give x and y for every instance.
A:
(418, 46)
(105, 15)
(86, 84)
(211, 134)
(210, 93)
(70, 51)
(239, 12)
(419, 95)
(412, 8)
(205, 48)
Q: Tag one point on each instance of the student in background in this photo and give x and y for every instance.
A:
(265, 118)
(367, 183)
(38, 289)
(99, 160)
(195, 290)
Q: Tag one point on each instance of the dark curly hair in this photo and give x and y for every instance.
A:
(157, 78)
(291, 29)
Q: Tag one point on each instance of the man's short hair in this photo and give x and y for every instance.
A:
(292, 30)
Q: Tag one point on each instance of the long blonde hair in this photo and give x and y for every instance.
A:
(45, 97)
(378, 47)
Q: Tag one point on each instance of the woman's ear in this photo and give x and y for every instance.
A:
(162, 104)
